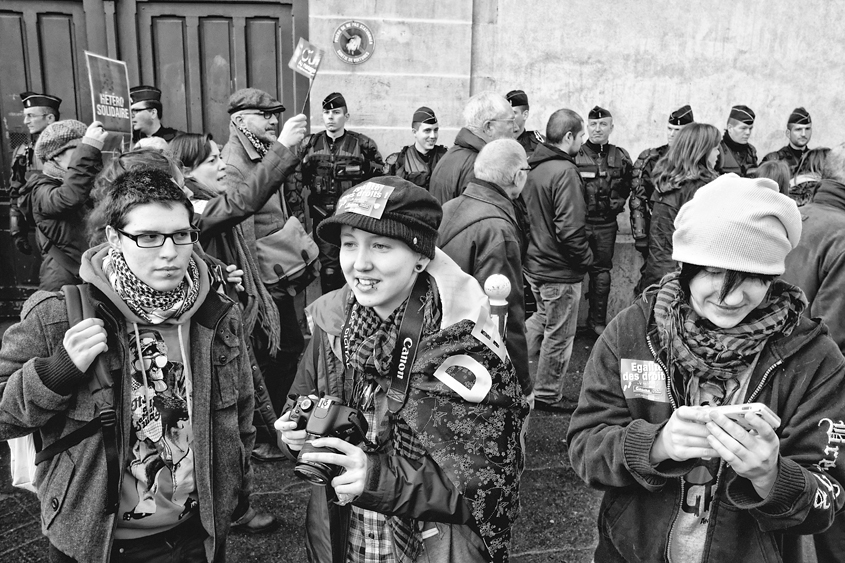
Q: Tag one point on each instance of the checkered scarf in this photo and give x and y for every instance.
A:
(154, 307)
(713, 356)
(257, 143)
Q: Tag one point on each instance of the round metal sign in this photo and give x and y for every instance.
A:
(353, 42)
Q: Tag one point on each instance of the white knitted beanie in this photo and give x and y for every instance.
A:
(740, 224)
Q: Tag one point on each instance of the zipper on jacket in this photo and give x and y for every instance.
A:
(669, 382)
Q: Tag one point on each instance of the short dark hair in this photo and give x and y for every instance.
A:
(562, 122)
(156, 106)
(733, 278)
(53, 111)
(191, 149)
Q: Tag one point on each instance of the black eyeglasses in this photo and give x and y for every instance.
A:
(155, 240)
(264, 114)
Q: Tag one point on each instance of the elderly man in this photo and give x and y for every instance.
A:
(147, 114)
(799, 131)
(415, 162)
(737, 154)
(487, 117)
(481, 233)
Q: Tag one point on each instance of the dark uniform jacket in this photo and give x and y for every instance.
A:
(166, 133)
(790, 156)
(642, 187)
(736, 158)
(558, 251)
(409, 164)
(799, 376)
(480, 232)
(455, 169)
(59, 208)
(817, 264)
(606, 180)
(529, 141)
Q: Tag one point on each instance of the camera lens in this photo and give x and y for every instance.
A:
(316, 472)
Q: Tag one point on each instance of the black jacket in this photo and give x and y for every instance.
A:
(559, 251)
(455, 169)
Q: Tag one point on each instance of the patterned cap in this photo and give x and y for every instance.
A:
(58, 137)
(253, 98)
(33, 100)
(517, 98)
(743, 114)
(799, 116)
(424, 115)
(681, 116)
(598, 113)
(143, 93)
(334, 100)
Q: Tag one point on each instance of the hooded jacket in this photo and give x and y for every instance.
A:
(559, 251)
(620, 414)
(455, 169)
(43, 390)
(817, 264)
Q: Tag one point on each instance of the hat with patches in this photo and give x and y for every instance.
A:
(253, 98)
(387, 206)
(681, 116)
(598, 113)
(799, 116)
(143, 94)
(517, 98)
(33, 100)
(743, 114)
(58, 137)
(334, 100)
(424, 115)
(741, 224)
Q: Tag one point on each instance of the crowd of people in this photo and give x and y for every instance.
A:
(408, 410)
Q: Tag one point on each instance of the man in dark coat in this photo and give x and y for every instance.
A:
(147, 114)
(528, 139)
(416, 162)
(480, 232)
(737, 155)
(799, 131)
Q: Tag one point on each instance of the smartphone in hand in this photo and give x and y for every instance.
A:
(737, 414)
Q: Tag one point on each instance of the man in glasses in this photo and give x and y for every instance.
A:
(333, 161)
(487, 116)
(607, 171)
(39, 111)
(147, 114)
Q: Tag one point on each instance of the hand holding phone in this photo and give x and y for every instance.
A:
(737, 414)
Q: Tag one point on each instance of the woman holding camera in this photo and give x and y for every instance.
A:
(682, 481)
(437, 478)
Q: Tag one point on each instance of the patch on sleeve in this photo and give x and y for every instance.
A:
(643, 379)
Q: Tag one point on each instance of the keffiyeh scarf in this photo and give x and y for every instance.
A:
(154, 307)
(257, 144)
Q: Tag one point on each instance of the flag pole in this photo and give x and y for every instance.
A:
(308, 93)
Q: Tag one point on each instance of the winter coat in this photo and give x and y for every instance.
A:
(59, 208)
(817, 264)
(72, 485)
(455, 169)
(424, 489)
(480, 232)
(620, 414)
(559, 251)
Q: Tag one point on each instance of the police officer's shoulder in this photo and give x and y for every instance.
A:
(394, 158)
(649, 154)
(360, 136)
(624, 152)
(539, 138)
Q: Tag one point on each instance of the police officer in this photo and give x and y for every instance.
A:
(528, 139)
(146, 114)
(642, 183)
(799, 131)
(415, 162)
(39, 111)
(606, 173)
(737, 155)
(333, 161)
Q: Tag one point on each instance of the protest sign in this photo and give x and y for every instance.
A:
(109, 80)
(306, 60)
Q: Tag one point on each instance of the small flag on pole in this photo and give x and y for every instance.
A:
(306, 59)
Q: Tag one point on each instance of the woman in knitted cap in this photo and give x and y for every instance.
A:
(684, 482)
(689, 164)
(437, 477)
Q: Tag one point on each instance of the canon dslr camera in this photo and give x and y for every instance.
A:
(323, 418)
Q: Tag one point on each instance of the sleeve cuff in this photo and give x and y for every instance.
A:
(789, 485)
(93, 142)
(58, 372)
(639, 440)
(372, 495)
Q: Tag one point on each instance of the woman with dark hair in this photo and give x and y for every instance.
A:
(777, 170)
(682, 480)
(808, 176)
(689, 164)
(183, 390)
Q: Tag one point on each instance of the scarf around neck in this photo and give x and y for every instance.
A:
(153, 306)
(710, 355)
(256, 143)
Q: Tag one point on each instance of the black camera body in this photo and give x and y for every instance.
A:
(323, 418)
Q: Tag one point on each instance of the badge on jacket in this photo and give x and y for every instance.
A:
(643, 379)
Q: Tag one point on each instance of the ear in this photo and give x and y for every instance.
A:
(422, 263)
(113, 237)
(51, 118)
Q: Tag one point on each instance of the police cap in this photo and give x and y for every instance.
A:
(424, 115)
(598, 113)
(142, 95)
(743, 114)
(334, 100)
(681, 116)
(517, 98)
(799, 116)
(33, 100)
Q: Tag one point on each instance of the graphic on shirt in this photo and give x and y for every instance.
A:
(643, 379)
(699, 491)
(163, 460)
(835, 436)
(827, 488)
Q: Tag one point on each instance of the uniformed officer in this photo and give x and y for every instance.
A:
(737, 155)
(147, 114)
(415, 162)
(642, 183)
(528, 139)
(39, 111)
(333, 161)
(799, 131)
(606, 173)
